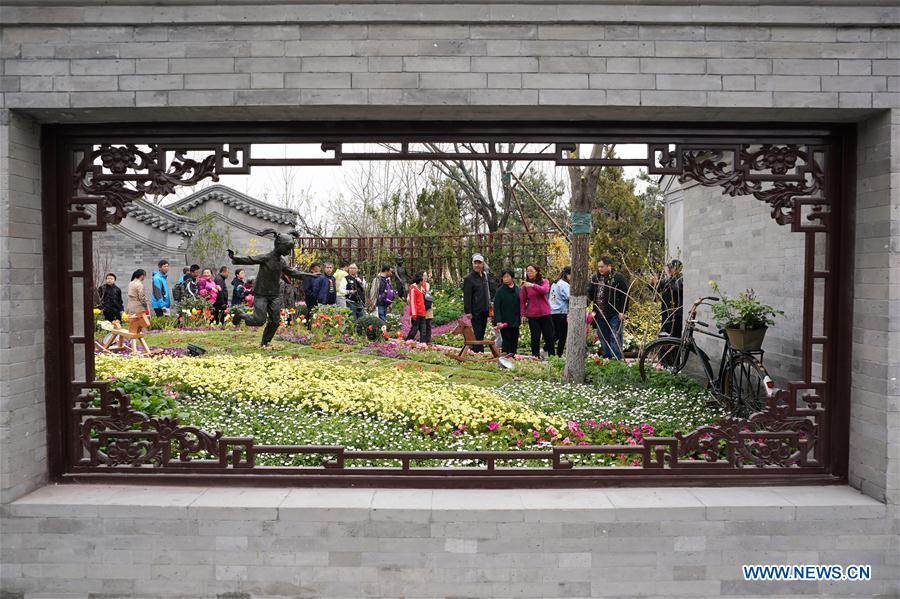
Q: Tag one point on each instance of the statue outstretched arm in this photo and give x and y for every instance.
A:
(294, 273)
(245, 260)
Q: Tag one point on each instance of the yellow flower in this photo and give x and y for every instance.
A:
(383, 393)
(97, 311)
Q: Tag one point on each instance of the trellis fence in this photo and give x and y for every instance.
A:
(445, 257)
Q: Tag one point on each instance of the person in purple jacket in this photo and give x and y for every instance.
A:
(534, 306)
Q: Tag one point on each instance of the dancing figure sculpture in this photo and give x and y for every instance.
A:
(267, 288)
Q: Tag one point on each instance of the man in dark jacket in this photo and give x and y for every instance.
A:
(326, 287)
(237, 287)
(221, 304)
(111, 299)
(267, 285)
(309, 288)
(384, 291)
(477, 294)
(188, 283)
(609, 293)
(670, 291)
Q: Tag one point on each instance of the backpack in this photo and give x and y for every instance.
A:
(178, 291)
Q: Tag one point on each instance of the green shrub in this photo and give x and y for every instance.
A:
(743, 312)
(448, 305)
(163, 322)
(393, 323)
(159, 401)
(363, 327)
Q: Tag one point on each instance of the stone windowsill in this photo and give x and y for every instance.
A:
(632, 504)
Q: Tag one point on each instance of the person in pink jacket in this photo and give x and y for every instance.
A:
(206, 286)
(535, 306)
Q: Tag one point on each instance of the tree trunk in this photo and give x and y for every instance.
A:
(576, 342)
(584, 190)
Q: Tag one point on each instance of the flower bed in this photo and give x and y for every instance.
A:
(412, 397)
(396, 395)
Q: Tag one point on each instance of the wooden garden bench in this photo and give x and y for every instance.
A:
(469, 342)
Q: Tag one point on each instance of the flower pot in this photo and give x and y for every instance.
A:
(746, 340)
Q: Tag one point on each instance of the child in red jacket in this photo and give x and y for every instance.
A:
(416, 301)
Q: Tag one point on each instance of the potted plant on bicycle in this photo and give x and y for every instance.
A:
(744, 318)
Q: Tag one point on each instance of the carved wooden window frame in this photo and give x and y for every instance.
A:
(804, 173)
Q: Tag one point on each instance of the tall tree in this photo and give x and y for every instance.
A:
(485, 185)
(583, 180)
(628, 226)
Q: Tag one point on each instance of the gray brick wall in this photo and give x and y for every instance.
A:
(122, 249)
(102, 62)
(545, 56)
(735, 242)
(875, 399)
(227, 542)
(23, 435)
(601, 62)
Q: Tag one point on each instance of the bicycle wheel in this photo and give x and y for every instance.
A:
(745, 385)
(661, 354)
(670, 355)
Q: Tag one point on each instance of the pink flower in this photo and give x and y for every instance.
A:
(551, 431)
(583, 443)
(572, 425)
(493, 426)
(518, 442)
(567, 441)
(579, 434)
(536, 434)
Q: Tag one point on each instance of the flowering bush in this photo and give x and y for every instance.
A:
(369, 327)
(642, 324)
(448, 304)
(194, 311)
(393, 323)
(743, 312)
(331, 322)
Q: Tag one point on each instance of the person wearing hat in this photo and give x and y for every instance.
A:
(477, 298)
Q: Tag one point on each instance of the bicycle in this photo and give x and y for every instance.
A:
(742, 383)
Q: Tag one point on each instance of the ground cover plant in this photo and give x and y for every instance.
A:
(345, 389)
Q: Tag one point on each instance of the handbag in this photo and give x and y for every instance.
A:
(429, 300)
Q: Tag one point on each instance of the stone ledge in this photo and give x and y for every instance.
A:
(602, 505)
(780, 12)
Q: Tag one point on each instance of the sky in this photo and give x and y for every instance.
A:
(327, 183)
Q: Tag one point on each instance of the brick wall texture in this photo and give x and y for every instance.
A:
(735, 242)
(101, 62)
(875, 400)
(228, 543)
(452, 64)
(23, 440)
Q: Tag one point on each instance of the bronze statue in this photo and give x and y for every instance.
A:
(267, 287)
(400, 275)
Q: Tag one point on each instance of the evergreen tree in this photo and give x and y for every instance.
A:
(628, 227)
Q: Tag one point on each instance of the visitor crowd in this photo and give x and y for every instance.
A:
(535, 299)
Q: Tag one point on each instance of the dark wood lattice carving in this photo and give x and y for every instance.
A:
(788, 177)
